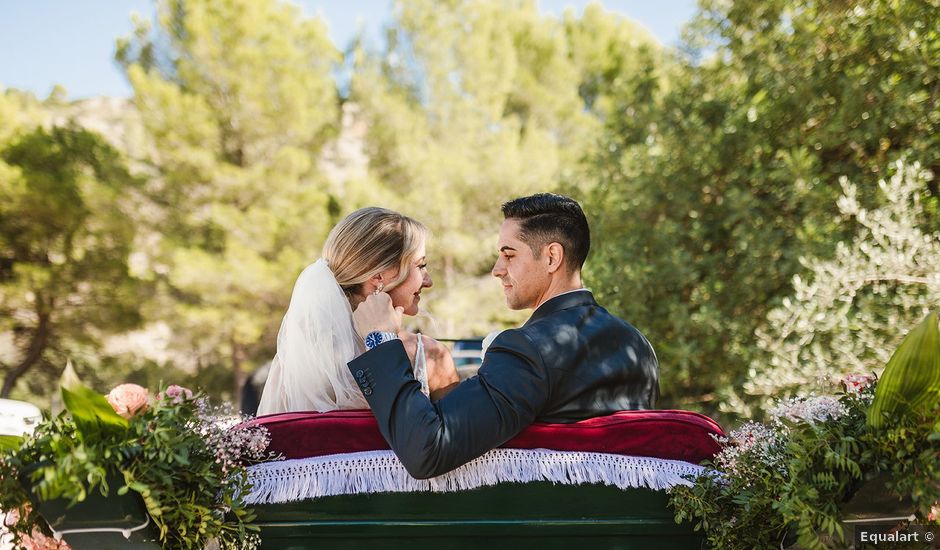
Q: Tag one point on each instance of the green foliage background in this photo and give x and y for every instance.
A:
(708, 172)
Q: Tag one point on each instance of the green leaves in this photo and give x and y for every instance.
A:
(10, 442)
(93, 415)
(911, 380)
(795, 490)
(184, 464)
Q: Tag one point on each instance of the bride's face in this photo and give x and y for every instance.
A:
(408, 293)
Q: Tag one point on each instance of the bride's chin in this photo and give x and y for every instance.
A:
(411, 310)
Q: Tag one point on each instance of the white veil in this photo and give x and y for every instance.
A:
(316, 340)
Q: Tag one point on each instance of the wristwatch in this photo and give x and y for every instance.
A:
(377, 337)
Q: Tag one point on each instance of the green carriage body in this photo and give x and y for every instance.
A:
(500, 516)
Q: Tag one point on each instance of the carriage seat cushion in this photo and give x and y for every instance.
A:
(670, 434)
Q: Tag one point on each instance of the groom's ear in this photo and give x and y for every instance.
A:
(556, 256)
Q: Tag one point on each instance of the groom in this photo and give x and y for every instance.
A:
(571, 360)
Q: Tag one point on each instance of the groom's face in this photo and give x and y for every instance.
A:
(525, 278)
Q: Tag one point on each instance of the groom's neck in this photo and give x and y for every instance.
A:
(559, 285)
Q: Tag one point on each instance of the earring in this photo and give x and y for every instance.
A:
(379, 288)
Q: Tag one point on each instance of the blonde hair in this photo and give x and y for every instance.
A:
(369, 241)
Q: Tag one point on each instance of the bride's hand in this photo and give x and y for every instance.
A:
(377, 314)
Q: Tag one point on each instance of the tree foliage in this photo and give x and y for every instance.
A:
(847, 312)
(66, 233)
(708, 204)
(237, 101)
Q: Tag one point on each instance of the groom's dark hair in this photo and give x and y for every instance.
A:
(546, 218)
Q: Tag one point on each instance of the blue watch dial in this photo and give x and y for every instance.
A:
(376, 337)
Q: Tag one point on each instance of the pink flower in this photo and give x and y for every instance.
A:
(128, 399)
(38, 541)
(177, 393)
(856, 383)
(35, 540)
(934, 512)
(10, 518)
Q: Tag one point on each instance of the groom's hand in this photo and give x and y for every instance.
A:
(377, 314)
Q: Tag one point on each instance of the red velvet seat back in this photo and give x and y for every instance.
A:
(677, 435)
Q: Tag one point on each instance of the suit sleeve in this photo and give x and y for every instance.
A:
(482, 413)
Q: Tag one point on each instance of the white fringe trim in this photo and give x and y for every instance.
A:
(381, 471)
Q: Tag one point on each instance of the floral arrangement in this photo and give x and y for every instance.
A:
(786, 480)
(184, 457)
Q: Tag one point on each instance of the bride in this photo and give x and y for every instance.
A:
(372, 250)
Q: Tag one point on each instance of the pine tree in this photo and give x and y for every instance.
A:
(237, 101)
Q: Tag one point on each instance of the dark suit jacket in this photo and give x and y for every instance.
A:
(571, 360)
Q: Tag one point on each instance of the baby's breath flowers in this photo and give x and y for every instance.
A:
(751, 443)
(812, 409)
(234, 442)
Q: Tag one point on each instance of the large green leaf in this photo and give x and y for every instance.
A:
(10, 442)
(92, 413)
(911, 380)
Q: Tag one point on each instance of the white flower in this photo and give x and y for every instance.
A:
(811, 409)
(750, 442)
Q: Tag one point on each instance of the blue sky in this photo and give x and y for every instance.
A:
(71, 42)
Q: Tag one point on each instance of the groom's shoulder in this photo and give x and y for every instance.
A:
(568, 308)
(584, 316)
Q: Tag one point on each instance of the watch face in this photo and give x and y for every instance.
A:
(376, 337)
